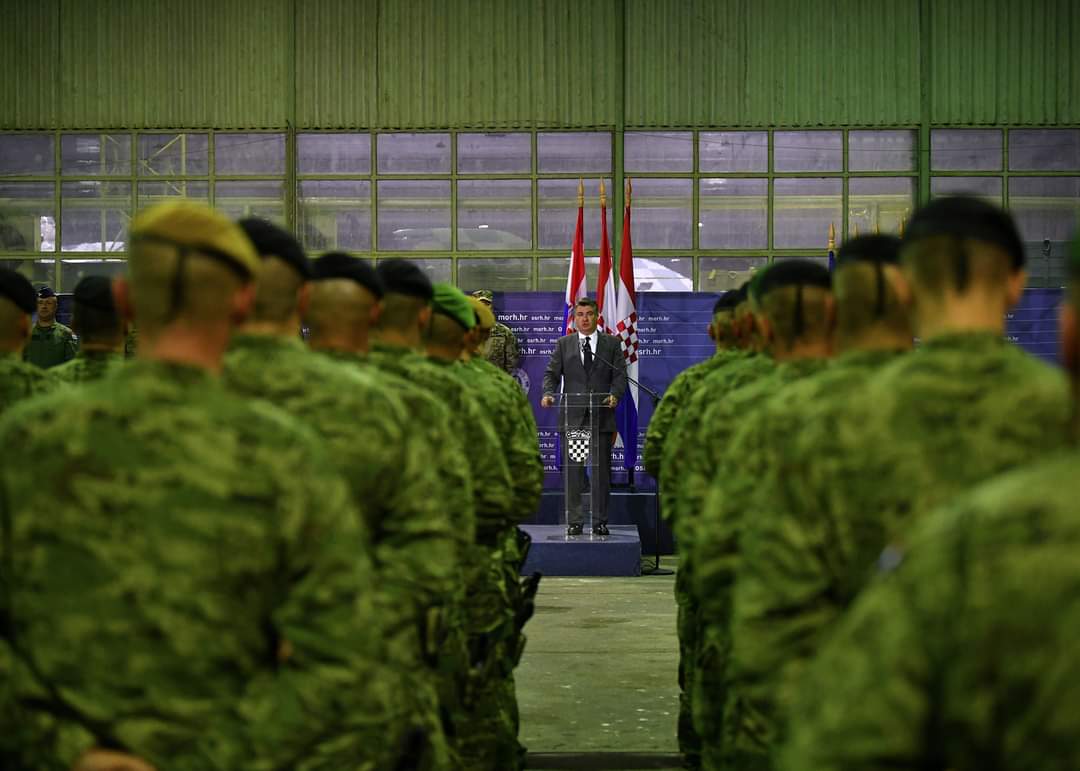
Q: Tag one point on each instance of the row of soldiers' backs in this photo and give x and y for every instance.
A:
(814, 452)
(307, 562)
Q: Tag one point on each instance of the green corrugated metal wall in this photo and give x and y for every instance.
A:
(536, 63)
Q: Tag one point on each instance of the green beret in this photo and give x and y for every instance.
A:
(451, 301)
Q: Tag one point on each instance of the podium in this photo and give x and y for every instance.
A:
(585, 457)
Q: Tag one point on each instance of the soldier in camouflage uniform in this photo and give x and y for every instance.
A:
(199, 594)
(51, 343)
(963, 654)
(502, 348)
(797, 318)
(368, 432)
(18, 379)
(872, 330)
(100, 329)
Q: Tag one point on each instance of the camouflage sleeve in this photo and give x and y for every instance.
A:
(512, 351)
(528, 466)
(660, 424)
(673, 459)
(492, 486)
(71, 346)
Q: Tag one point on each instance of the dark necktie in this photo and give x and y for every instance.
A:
(587, 351)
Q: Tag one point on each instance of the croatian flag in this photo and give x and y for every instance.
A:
(626, 414)
(575, 279)
(606, 303)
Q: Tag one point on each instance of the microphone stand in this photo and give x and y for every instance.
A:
(655, 569)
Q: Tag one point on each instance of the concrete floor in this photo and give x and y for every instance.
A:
(597, 684)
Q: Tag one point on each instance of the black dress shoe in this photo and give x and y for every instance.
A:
(601, 529)
(574, 529)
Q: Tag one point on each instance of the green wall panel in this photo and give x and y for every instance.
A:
(336, 63)
(29, 61)
(156, 63)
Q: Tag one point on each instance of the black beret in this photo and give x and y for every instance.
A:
(272, 240)
(967, 217)
(726, 302)
(17, 288)
(95, 292)
(343, 265)
(404, 277)
(45, 292)
(794, 272)
(882, 248)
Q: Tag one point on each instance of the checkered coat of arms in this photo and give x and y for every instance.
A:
(577, 444)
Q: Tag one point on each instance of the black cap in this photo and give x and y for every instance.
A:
(343, 265)
(726, 302)
(404, 277)
(271, 240)
(967, 217)
(45, 292)
(794, 272)
(95, 292)
(17, 288)
(882, 249)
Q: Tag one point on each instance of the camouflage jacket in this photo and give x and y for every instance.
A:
(964, 656)
(386, 460)
(763, 633)
(20, 380)
(49, 346)
(87, 365)
(502, 348)
(676, 397)
(199, 594)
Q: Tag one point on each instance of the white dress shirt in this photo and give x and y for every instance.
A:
(593, 339)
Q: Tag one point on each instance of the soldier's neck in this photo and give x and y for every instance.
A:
(875, 340)
(290, 328)
(443, 352)
(194, 346)
(803, 349)
(971, 312)
(46, 324)
(396, 338)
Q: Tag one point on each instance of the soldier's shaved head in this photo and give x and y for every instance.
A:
(14, 326)
(340, 314)
(277, 291)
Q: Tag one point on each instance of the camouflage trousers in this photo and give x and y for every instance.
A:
(708, 694)
(686, 627)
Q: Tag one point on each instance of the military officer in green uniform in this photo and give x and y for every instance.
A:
(502, 348)
(51, 343)
(100, 329)
(18, 379)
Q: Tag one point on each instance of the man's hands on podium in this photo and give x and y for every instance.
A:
(547, 401)
(611, 401)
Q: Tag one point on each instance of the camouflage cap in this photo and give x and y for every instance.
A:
(452, 302)
(95, 292)
(17, 288)
(485, 319)
(195, 227)
(484, 295)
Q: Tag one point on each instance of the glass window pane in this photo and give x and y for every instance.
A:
(658, 151)
(803, 209)
(733, 151)
(494, 153)
(158, 192)
(719, 274)
(249, 153)
(74, 271)
(414, 215)
(507, 274)
(1044, 149)
(335, 214)
(558, 213)
(984, 187)
(663, 274)
(333, 153)
(662, 213)
(26, 154)
(414, 153)
(965, 149)
(437, 269)
(1046, 208)
(95, 154)
(94, 216)
(553, 272)
(808, 150)
(27, 217)
(574, 152)
(881, 150)
(494, 214)
(173, 154)
(39, 272)
(257, 198)
(733, 213)
(879, 204)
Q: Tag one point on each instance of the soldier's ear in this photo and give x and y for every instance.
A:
(1068, 335)
(303, 299)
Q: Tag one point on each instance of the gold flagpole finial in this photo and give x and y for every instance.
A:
(629, 190)
(603, 194)
(903, 222)
(580, 192)
(855, 230)
(832, 236)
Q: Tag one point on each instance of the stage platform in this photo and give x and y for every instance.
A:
(553, 553)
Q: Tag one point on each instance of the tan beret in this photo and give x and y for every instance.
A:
(485, 319)
(199, 228)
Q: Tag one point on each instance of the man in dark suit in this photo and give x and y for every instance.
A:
(587, 362)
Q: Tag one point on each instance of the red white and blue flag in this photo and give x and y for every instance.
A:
(575, 279)
(607, 305)
(626, 414)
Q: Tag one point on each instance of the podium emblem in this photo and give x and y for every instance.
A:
(577, 444)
